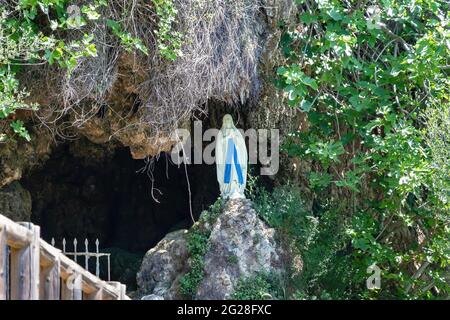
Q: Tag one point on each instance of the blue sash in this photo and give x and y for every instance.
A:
(232, 152)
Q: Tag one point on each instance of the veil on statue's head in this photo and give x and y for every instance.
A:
(227, 124)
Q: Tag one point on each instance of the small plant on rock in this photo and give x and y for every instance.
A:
(197, 248)
(262, 286)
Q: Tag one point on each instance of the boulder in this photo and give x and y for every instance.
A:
(15, 202)
(162, 267)
(240, 245)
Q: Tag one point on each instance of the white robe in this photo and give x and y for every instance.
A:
(233, 189)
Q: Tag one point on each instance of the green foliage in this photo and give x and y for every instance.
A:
(18, 44)
(190, 281)
(67, 55)
(197, 248)
(364, 75)
(262, 286)
(437, 138)
(20, 130)
(128, 41)
(232, 259)
(169, 40)
(33, 33)
(316, 239)
(12, 99)
(284, 209)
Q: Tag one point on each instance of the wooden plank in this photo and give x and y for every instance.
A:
(109, 292)
(71, 288)
(95, 295)
(89, 282)
(50, 281)
(77, 287)
(67, 289)
(25, 268)
(4, 253)
(49, 254)
(123, 292)
(20, 273)
(115, 295)
(17, 235)
(34, 263)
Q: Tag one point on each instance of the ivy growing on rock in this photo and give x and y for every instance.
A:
(261, 286)
(197, 248)
(365, 73)
(169, 40)
(34, 33)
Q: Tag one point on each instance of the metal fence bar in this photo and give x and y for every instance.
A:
(86, 257)
(97, 257)
(109, 268)
(86, 254)
(75, 248)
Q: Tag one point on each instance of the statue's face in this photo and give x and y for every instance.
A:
(227, 121)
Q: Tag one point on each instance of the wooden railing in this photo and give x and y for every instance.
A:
(32, 269)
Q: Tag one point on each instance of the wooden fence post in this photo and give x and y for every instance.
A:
(77, 288)
(35, 261)
(20, 273)
(67, 289)
(25, 268)
(4, 253)
(95, 295)
(50, 281)
(123, 291)
(71, 288)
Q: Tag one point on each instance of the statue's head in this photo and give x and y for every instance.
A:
(227, 122)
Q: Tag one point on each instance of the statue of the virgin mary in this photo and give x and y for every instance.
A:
(231, 160)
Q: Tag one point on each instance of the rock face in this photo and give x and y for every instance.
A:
(111, 96)
(16, 157)
(15, 202)
(240, 245)
(270, 110)
(162, 267)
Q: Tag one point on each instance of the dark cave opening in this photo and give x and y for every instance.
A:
(89, 191)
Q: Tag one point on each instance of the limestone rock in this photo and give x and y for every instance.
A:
(16, 157)
(15, 202)
(270, 110)
(240, 245)
(162, 267)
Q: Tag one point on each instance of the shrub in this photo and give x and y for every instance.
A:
(315, 238)
(262, 286)
(363, 75)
